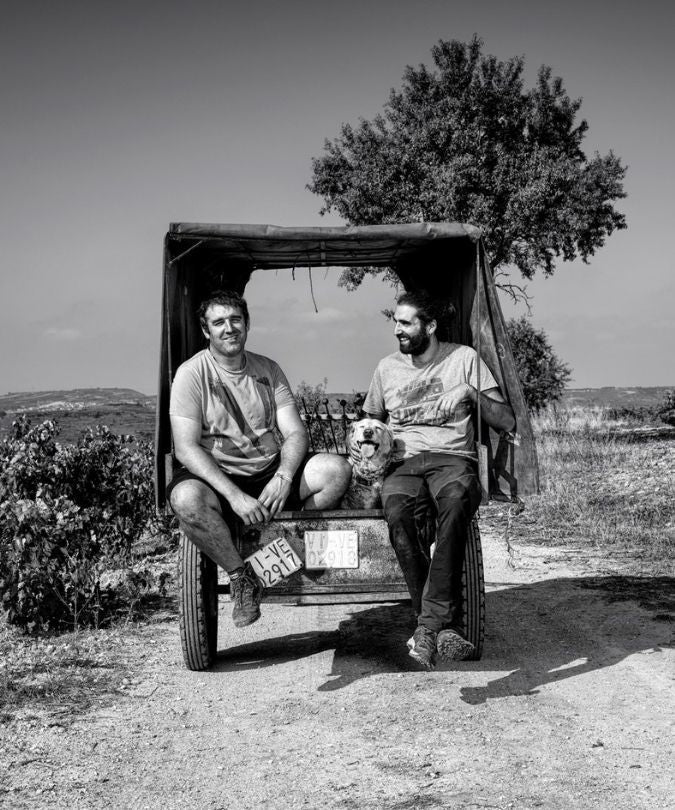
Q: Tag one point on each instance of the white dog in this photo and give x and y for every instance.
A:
(370, 444)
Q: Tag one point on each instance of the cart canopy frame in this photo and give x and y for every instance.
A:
(446, 259)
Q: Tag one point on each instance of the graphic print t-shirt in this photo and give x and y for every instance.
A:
(407, 394)
(236, 409)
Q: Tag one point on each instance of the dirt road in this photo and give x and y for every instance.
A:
(320, 707)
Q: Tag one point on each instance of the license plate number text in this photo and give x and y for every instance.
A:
(274, 562)
(331, 549)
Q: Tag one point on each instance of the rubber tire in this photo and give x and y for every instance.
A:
(197, 605)
(473, 588)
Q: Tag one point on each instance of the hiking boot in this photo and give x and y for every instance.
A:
(452, 647)
(422, 647)
(246, 592)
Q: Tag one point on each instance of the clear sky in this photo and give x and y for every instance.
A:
(121, 117)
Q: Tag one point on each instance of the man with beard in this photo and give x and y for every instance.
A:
(228, 408)
(428, 391)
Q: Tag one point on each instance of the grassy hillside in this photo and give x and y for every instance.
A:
(127, 411)
(610, 397)
(75, 399)
(122, 409)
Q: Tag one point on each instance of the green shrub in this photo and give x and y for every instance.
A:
(666, 410)
(542, 375)
(663, 411)
(69, 516)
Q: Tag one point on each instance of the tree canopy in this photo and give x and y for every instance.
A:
(465, 141)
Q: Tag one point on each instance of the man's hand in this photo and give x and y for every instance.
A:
(249, 509)
(458, 399)
(273, 497)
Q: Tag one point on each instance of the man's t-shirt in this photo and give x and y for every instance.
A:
(236, 409)
(407, 394)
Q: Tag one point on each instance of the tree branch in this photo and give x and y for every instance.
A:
(516, 292)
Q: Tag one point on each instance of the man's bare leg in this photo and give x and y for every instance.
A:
(324, 481)
(198, 511)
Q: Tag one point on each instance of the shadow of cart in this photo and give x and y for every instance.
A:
(539, 633)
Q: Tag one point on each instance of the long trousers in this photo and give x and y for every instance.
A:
(418, 488)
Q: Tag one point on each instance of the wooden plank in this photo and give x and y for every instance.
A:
(339, 598)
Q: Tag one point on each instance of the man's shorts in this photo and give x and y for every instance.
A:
(252, 485)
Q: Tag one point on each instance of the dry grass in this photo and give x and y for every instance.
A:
(603, 490)
(62, 677)
(603, 493)
(67, 670)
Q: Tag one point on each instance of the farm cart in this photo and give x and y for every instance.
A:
(345, 554)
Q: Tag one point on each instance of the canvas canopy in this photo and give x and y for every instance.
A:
(270, 246)
(448, 260)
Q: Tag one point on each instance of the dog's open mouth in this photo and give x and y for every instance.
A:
(368, 448)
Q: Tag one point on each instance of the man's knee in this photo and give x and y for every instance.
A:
(324, 471)
(190, 499)
(457, 502)
(399, 508)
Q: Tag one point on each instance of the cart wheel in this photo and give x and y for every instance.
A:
(197, 605)
(473, 586)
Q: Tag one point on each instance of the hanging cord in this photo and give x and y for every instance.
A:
(511, 514)
(311, 289)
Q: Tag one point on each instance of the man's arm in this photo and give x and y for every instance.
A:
(186, 434)
(494, 408)
(293, 451)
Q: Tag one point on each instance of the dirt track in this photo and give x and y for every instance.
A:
(320, 707)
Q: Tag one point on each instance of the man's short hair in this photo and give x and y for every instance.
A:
(428, 308)
(224, 298)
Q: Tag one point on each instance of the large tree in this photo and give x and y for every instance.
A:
(466, 141)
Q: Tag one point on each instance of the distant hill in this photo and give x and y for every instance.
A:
(75, 399)
(127, 411)
(123, 410)
(611, 397)
(608, 397)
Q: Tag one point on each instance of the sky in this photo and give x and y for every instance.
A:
(119, 118)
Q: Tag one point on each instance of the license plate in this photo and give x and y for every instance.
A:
(331, 549)
(274, 562)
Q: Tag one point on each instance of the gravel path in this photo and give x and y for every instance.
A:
(320, 707)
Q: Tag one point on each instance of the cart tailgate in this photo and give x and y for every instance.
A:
(372, 574)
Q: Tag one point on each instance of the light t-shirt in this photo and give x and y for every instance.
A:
(236, 409)
(406, 395)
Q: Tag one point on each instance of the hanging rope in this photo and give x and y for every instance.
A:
(311, 289)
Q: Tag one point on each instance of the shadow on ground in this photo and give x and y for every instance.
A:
(538, 633)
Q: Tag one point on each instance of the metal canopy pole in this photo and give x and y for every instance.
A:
(481, 449)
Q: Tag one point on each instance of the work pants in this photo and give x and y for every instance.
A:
(419, 488)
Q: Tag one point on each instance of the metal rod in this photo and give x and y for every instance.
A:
(330, 422)
(185, 253)
(317, 418)
(308, 422)
(478, 318)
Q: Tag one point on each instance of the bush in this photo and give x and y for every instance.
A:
(542, 375)
(69, 516)
(666, 410)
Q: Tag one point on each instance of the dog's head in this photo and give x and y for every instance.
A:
(370, 443)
